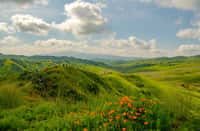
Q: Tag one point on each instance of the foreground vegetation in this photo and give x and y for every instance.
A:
(49, 93)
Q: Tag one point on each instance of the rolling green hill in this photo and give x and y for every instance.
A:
(41, 93)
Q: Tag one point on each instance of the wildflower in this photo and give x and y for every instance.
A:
(85, 129)
(76, 122)
(121, 103)
(129, 105)
(109, 103)
(141, 109)
(111, 112)
(110, 120)
(124, 114)
(134, 117)
(137, 114)
(144, 99)
(123, 129)
(102, 113)
(146, 123)
(117, 117)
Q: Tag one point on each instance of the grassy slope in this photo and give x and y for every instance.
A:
(177, 78)
(157, 79)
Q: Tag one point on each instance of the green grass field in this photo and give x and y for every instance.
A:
(50, 94)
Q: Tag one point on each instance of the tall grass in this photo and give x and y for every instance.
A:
(10, 97)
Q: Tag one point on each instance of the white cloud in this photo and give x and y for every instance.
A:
(190, 33)
(189, 49)
(58, 43)
(4, 27)
(30, 24)
(131, 43)
(193, 5)
(124, 47)
(83, 18)
(9, 41)
(44, 47)
(24, 2)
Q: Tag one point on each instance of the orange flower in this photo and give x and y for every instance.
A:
(109, 103)
(111, 112)
(102, 113)
(117, 117)
(146, 123)
(144, 99)
(76, 122)
(141, 109)
(134, 117)
(123, 129)
(129, 105)
(85, 129)
(124, 114)
(137, 114)
(110, 120)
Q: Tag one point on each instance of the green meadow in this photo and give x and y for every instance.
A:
(68, 94)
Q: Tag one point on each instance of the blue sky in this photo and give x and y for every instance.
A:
(117, 27)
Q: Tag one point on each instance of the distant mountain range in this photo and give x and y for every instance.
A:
(95, 57)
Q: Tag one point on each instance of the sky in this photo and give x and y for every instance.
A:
(139, 28)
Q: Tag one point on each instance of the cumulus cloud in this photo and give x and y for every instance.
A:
(24, 2)
(30, 24)
(131, 43)
(58, 43)
(190, 33)
(44, 47)
(193, 5)
(4, 27)
(189, 49)
(83, 18)
(121, 47)
(9, 41)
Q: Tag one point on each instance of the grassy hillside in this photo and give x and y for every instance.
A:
(58, 94)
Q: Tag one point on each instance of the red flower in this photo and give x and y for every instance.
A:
(124, 114)
(110, 120)
(146, 123)
(137, 114)
(111, 112)
(123, 129)
(117, 117)
(141, 109)
(134, 117)
(85, 129)
(129, 105)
